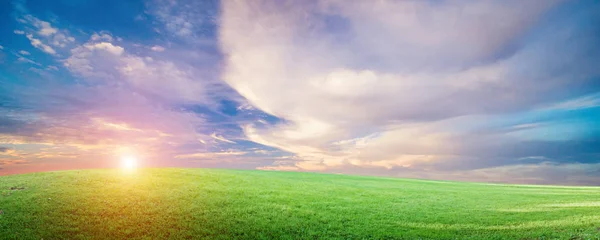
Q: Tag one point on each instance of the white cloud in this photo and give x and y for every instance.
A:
(61, 40)
(109, 47)
(274, 69)
(43, 35)
(102, 60)
(23, 52)
(37, 43)
(1, 47)
(339, 70)
(101, 36)
(245, 107)
(157, 48)
(220, 138)
(44, 28)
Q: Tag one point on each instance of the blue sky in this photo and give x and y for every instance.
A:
(499, 91)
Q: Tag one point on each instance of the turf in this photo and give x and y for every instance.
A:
(225, 204)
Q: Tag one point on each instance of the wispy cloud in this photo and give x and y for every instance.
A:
(37, 43)
(589, 101)
(208, 155)
(42, 35)
(221, 138)
(157, 48)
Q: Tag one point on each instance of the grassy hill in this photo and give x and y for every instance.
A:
(224, 204)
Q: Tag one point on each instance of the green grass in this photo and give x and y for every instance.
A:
(225, 204)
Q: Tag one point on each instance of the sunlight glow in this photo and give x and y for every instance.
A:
(129, 163)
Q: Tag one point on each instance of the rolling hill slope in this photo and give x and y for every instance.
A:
(223, 204)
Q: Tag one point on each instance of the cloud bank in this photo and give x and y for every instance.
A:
(405, 84)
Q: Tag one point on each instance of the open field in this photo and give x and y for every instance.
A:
(211, 203)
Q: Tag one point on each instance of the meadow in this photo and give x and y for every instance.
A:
(173, 203)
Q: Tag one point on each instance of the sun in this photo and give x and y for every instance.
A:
(129, 163)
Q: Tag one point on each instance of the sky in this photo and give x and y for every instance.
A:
(493, 91)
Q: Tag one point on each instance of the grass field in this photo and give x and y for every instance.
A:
(224, 204)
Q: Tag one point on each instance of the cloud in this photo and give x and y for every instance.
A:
(12, 162)
(55, 36)
(589, 101)
(106, 46)
(44, 28)
(53, 68)
(210, 155)
(318, 68)
(542, 173)
(104, 61)
(27, 60)
(221, 138)
(43, 35)
(361, 85)
(39, 45)
(191, 21)
(23, 52)
(103, 36)
(1, 47)
(178, 25)
(157, 48)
